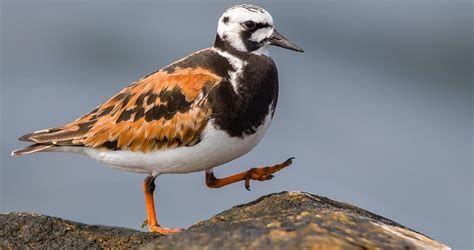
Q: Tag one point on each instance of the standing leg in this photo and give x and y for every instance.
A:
(148, 189)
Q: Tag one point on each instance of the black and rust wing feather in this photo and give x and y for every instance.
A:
(163, 110)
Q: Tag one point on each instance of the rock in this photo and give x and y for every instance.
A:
(288, 220)
(40, 231)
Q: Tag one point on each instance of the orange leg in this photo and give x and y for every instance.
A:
(258, 174)
(149, 188)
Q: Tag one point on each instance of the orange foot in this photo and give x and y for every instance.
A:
(265, 173)
(149, 188)
(258, 174)
(164, 230)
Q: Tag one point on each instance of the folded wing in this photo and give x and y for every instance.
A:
(163, 110)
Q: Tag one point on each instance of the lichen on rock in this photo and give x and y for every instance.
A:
(287, 220)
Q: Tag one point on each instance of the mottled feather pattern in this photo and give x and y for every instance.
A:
(163, 110)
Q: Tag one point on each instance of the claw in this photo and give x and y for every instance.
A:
(144, 224)
(247, 183)
(289, 160)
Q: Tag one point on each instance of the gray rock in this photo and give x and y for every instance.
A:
(288, 220)
(40, 231)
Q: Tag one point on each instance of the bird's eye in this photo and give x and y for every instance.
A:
(249, 25)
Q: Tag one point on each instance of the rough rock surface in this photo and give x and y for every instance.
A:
(288, 220)
(20, 230)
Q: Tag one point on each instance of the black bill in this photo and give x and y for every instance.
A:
(279, 40)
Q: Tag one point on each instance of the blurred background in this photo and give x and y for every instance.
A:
(378, 111)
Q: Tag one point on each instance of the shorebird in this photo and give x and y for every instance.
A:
(197, 113)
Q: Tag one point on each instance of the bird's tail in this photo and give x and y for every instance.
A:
(32, 149)
(47, 139)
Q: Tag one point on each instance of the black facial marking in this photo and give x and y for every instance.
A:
(262, 25)
(225, 19)
(250, 25)
(225, 46)
(245, 35)
(249, 45)
(255, 26)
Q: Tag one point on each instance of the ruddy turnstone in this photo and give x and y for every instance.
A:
(197, 113)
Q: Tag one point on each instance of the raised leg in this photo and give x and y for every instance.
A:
(153, 226)
(258, 174)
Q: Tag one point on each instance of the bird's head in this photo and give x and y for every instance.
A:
(249, 28)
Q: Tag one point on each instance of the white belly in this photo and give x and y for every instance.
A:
(216, 148)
